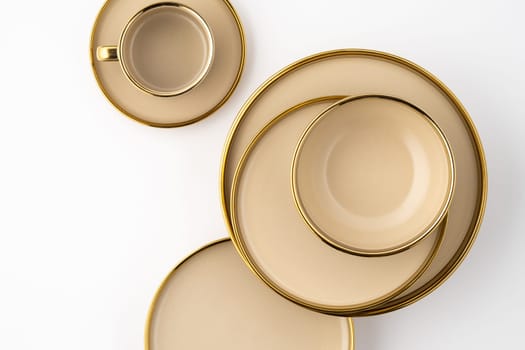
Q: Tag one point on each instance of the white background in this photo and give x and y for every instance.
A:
(95, 208)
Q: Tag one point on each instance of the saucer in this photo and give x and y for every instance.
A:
(212, 301)
(192, 106)
(357, 72)
(372, 175)
(280, 247)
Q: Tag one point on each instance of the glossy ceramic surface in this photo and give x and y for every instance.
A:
(191, 106)
(373, 175)
(282, 250)
(356, 72)
(212, 301)
(166, 49)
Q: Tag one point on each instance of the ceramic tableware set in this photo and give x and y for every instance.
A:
(353, 181)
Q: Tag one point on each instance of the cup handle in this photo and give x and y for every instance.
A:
(107, 53)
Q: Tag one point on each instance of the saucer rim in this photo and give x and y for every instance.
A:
(107, 95)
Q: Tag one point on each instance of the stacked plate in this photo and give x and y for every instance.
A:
(353, 182)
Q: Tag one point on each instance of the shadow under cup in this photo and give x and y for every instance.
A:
(165, 49)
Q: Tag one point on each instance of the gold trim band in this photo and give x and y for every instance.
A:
(481, 201)
(149, 317)
(242, 37)
(126, 66)
(238, 241)
(326, 237)
(107, 53)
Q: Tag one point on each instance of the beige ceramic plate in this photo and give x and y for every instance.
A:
(372, 175)
(212, 301)
(357, 72)
(189, 107)
(281, 248)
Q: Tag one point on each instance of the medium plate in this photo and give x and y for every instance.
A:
(189, 107)
(373, 175)
(212, 301)
(357, 72)
(282, 249)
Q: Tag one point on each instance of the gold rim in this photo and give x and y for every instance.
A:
(93, 58)
(481, 202)
(196, 81)
(326, 237)
(347, 310)
(351, 333)
(350, 322)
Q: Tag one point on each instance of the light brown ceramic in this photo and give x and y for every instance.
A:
(212, 301)
(358, 72)
(166, 49)
(281, 248)
(372, 175)
(201, 97)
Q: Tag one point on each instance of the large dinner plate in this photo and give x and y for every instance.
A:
(355, 72)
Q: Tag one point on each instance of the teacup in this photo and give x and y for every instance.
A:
(373, 175)
(166, 49)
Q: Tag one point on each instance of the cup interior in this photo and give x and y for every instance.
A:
(373, 175)
(166, 49)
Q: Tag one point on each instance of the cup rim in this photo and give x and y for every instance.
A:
(326, 237)
(209, 39)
